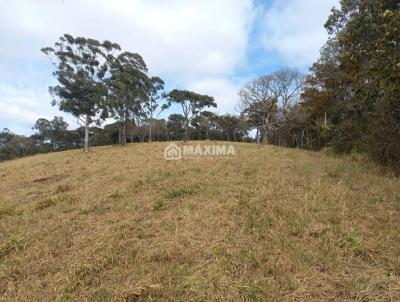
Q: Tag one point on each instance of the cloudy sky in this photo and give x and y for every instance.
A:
(208, 46)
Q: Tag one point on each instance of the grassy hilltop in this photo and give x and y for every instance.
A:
(269, 224)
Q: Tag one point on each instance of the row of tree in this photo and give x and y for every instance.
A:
(96, 81)
(54, 135)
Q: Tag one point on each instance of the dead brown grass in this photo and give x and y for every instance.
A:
(271, 224)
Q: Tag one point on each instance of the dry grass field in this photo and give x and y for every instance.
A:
(270, 224)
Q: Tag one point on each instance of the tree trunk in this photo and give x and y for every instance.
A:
(86, 144)
(186, 132)
(120, 135)
(150, 134)
(264, 139)
(264, 136)
(124, 133)
(122, 140)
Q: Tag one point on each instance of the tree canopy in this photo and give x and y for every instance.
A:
(81, 67)
(191, 103)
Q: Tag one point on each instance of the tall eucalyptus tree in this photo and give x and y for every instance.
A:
(127, 90)
(81, 68)
(156, 102)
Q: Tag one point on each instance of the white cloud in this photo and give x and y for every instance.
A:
(177, 38)
(295, 29)
(22, 106)
(182, 41)
(225, 92)
(199, 45)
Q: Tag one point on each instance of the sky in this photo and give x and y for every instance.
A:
(211, 47)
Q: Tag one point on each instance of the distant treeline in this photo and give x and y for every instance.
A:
(53, 135)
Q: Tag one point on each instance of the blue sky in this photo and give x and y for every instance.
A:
(211, 47)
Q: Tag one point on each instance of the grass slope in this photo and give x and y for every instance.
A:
(270, 224)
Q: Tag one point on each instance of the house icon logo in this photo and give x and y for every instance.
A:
(172, 152)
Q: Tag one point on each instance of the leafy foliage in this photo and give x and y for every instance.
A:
(127, 89)
(356, 82)
(266, 101)
(192, 104)
(81, 68)
(81, 65)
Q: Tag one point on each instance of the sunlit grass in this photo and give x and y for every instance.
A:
(268, 224)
